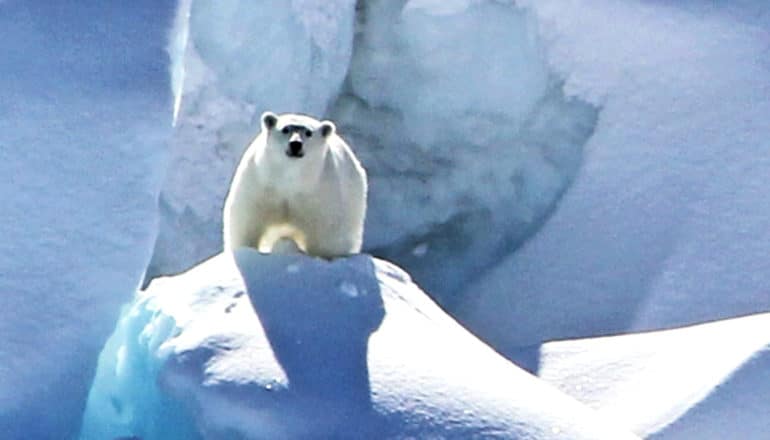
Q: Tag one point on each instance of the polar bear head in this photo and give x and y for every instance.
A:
(296, 136)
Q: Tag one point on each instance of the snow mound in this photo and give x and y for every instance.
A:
(343, 349)
(85, 111)
(708, 381)
(667, 223)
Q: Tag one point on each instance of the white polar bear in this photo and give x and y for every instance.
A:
(298, 180)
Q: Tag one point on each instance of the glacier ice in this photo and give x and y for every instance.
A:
(468, 142)
(125, 400)
(84, 116)
(314, 360)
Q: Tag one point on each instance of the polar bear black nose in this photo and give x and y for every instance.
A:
(295, 147)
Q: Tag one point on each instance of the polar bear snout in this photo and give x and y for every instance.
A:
(295, 146)
(295, 149)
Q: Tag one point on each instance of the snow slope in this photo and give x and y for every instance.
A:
(347, 349)
(667, 223)
(84, 113)
(709, 381)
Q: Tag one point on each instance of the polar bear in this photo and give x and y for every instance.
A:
(298, 180)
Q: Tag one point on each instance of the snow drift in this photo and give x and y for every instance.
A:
(343, 349)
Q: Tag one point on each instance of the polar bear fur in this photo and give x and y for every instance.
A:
(298, 180)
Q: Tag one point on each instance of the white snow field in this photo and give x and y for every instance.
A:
(85, 109)
(667, 223)
(343, 349)
(709, 381)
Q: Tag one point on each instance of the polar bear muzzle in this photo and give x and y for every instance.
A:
(295, 146)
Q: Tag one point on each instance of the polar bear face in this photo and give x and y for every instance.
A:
(296, 136)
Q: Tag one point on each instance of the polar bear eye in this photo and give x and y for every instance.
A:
(285, 130)
(308, 133)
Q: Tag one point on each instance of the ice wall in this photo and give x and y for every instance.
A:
(84, 114)
(468, 138)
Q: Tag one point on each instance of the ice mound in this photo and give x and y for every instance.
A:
(343, 349)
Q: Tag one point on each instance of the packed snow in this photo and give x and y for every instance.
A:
(313, 360)
(85, 110)
(709, 381)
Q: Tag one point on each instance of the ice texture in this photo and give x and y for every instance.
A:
(467, 137)
(85, 110)
(667, 222)
(709, 381)
(315, 361)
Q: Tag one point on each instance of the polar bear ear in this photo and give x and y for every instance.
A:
(269, 120)
(328, 128)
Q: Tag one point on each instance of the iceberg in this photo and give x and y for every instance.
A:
(289, 346)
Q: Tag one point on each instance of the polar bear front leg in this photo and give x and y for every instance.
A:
(339, 240)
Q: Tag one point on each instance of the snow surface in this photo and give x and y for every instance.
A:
(463, 163)
(85, 110)
(667, 223)
(709, 381)
(315, 360)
